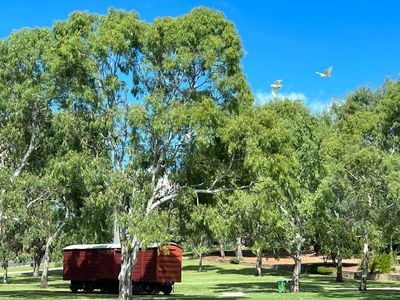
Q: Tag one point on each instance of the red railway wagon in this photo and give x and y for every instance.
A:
(96, 266)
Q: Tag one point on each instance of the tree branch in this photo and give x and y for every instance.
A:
(28, 153)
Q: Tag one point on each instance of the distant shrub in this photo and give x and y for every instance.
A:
(58, 264)
(380, 263)
(235, 260)
(326, 270)
(312, 269)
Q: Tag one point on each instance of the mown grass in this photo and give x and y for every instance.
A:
(215, 282)
(28, 268)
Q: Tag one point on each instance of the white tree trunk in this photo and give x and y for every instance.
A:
(364, 274)
(5, 272)
(259, 263)
(45, 274)
(239, 253)
(129, 252)
(200, 269)
(297, 269)
(391, 244)
(222, 249)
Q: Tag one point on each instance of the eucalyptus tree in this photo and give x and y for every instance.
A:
(334, 219)
(364, 168)
(156, 88)
(388, 132)
(285, 154)
(26, 92)
(253, 217)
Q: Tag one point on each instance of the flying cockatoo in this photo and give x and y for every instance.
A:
(326, 74)
(276, 86)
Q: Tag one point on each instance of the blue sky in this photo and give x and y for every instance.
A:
(287, 40)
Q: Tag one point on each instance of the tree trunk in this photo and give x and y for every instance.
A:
(364, 274)
(37, 259)
(129, 252)
(5, 272)
(339, 266)
(45, 274)
(391, 244)
(259, 263)
(297, 269)
(200, 269)
(222, 249)
(239, 253)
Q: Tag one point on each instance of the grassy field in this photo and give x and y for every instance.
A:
(218, 281)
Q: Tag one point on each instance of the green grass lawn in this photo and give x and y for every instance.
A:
(26, 268)
(215, 282)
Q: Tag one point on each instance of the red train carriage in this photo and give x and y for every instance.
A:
(97, 266)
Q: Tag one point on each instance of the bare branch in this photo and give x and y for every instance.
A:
(28, 153)
(215, 191)
(160, 201)
(41, 197)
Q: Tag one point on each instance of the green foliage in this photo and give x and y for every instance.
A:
(326, 270)
(380, 263)
(235, 260)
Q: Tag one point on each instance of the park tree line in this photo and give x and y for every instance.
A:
(107, 121)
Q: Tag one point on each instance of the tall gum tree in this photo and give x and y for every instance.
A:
(25, 96)
(284, 152)
(364, 169)
(157, 88)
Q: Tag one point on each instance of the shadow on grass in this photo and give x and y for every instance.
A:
(246, 287)
(251, 272)
(48, 294)
(27, 278)
(205, 268)
(45, 294)
(367, 295)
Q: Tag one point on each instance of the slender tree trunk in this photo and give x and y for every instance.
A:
(45, 274)
(239, 253)
(5, 272)
(116, 233)
(259, 263)
(297, 268)
(200, 269)
(129, 252)
(339, 266)
(364, 274)
(37, 259)
(391, 244)
(222, 249)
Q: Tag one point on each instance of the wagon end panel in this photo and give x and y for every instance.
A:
(108, 266)
(79, 265)
(169, 264)
(145, 267)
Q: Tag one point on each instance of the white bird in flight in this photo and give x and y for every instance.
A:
(326, 73)
(276, 86)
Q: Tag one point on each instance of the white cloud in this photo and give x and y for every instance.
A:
(262, 97)
(315, 106)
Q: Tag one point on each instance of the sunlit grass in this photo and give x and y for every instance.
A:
(28, 268)
(218, 280)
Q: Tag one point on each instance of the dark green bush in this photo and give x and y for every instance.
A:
(235, 260)
(326, 270)
(380, 263)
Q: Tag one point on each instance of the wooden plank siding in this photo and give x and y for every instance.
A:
(103, 264)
